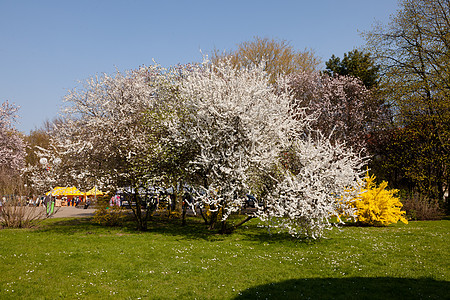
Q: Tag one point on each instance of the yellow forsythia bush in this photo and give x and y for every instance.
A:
(378, 206)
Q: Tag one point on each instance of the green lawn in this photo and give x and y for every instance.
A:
(73, 258)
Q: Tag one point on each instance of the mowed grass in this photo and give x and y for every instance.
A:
(76, 259)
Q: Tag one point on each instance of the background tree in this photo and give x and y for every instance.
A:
(409, 158)
(278, 56)
(36, 176)
(377, 113)
(344, 106)
(36, 138)
(357, 64)
(414, 56)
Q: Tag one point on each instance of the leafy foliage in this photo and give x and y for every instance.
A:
(412, 159)
(109, 215)
(356, 64)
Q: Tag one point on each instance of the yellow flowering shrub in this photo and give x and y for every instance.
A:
(107, 215)
(378, 206)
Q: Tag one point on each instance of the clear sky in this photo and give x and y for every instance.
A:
(46, 47)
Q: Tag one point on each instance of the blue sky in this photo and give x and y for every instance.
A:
(46, 47)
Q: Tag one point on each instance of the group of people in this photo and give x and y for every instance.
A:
(73, 201)
(37, 202)
(25, 201)
(115, 200)
(45, 200)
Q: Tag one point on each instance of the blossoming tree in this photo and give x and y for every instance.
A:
(242, 124)
(12, 146)
(105, 138)
(347, 110)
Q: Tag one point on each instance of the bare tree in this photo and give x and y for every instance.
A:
(277, 56)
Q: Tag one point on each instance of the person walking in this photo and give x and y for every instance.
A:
(88, 202)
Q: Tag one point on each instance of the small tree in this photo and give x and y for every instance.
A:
(356, 64)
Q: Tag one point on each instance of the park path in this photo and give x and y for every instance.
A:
(70, 211)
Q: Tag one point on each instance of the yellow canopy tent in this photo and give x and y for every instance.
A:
(65, 191)
(95, 192)
(54, 190)
(73, 191)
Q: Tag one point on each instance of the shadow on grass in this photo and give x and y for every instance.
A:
(195, 228)
(261, 235)
(351, 288)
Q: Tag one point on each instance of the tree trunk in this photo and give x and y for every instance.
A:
(183, 214)
(204, 217)
(141, 221)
